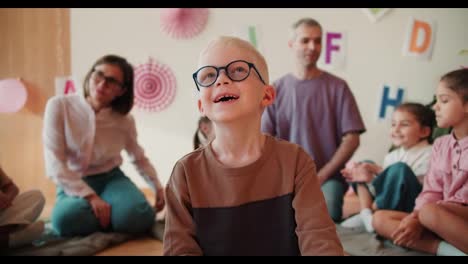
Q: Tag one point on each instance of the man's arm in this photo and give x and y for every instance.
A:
(345, 151)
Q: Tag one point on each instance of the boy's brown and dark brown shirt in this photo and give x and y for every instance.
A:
(273, 206)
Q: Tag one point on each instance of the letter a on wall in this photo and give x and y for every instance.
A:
(333, 50)
(419, 40)
(66, 85)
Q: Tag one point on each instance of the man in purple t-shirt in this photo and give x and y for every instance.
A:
(316, 110)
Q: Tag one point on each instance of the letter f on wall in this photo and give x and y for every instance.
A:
(334, 44)
(330, 47)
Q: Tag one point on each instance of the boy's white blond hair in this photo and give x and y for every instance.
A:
(255, 56)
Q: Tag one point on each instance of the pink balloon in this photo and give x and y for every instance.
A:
(13, 96)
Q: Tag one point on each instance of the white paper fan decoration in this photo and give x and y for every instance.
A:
(155, 86)
(183, 23)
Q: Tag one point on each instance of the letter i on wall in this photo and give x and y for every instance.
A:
(250, 33)
(419, 41)
(333, 50)
(389, 98)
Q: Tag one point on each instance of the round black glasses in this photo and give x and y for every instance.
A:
(237, 71)
(98, 76)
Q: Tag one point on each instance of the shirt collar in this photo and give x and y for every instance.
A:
(104, 114)
(417, 147)
(462, 143)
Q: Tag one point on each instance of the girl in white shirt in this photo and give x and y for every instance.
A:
(398, 183)
(83, 139)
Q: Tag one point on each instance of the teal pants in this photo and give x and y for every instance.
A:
(334, 191)
(396, 188)
(130, 211)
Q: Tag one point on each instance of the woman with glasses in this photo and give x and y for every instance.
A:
(83, 138)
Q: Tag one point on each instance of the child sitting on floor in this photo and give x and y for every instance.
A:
(398, 183)
(439, 221)
(245, 193)
(18, 214)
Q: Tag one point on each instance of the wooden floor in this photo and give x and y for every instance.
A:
(140, 247)
(152, 247)
(137, 247)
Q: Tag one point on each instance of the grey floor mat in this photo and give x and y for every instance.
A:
(358, 242)
(50, 244)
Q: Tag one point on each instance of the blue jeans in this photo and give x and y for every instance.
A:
(334, 191)
(130, 211)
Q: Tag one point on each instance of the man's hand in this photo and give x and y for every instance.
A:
(159, 202)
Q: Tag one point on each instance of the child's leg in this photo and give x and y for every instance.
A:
(25, 209)
(447, 220)
(131, 212)
(3, 240)
(385, 222)
(4, 234)
(26, 235)
(396, 188)
(16, 221)
(365, 200)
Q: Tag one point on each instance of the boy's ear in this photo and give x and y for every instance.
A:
(200, 107)
(269, 95)
(290, 43)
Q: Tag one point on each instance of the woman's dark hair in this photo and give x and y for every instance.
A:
(196, 139)
(423, 114)
(124, 103)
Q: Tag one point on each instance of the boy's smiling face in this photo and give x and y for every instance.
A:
(227, 100)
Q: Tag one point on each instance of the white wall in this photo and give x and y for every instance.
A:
(373, 58)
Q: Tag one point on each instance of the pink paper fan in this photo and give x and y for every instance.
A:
(155, 86)
(183, 22)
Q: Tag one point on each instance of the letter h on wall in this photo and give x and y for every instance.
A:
(387, 101)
